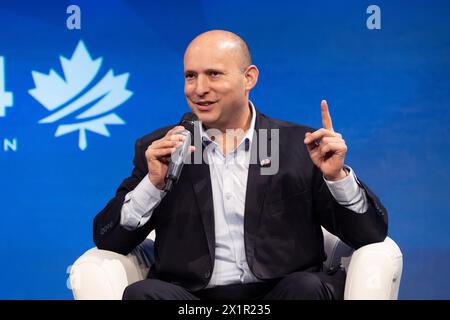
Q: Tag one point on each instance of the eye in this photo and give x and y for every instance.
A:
(214, 74)
(189, 76)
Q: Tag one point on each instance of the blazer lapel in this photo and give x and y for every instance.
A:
(200, 177)
(257, 186)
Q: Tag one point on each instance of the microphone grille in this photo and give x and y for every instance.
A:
(188, 121)
(189, 116)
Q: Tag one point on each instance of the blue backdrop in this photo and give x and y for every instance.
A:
(387, 90)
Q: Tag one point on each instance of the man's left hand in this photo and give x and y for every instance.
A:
(326, 148)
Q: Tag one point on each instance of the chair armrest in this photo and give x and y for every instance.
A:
(104, 275)
(374, 272)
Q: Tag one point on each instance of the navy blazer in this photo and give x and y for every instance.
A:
(282, 220)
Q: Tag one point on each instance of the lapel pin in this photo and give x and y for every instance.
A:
(265, 163)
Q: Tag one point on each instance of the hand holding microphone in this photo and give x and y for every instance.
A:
(165, 156)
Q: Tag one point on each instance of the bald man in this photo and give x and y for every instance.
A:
(227, 230)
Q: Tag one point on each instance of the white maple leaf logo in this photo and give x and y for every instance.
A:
(67, 95)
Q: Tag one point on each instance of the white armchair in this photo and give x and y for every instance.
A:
(373, 271)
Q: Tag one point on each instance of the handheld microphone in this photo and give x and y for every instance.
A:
(182, 152)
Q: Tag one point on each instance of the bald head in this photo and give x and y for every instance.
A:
(225, 41)
(218, 77)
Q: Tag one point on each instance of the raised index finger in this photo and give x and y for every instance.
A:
(326, 119)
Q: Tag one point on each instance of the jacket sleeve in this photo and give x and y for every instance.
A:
(108, 233)
(355, 229)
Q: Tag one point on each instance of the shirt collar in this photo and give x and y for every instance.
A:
(247, 140)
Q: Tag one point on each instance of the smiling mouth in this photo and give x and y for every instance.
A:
(205, 105)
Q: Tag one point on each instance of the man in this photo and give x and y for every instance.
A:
(226, 230)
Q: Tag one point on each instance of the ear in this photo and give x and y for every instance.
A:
(251, 77)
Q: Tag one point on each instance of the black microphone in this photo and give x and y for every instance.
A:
(182, 152)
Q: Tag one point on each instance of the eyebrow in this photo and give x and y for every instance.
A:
(214, 70)
(206, 71)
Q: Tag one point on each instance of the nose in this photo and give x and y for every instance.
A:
(202, 85)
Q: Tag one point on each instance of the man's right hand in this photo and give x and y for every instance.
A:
(158, 155)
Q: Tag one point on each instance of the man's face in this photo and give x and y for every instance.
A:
(214, 84)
